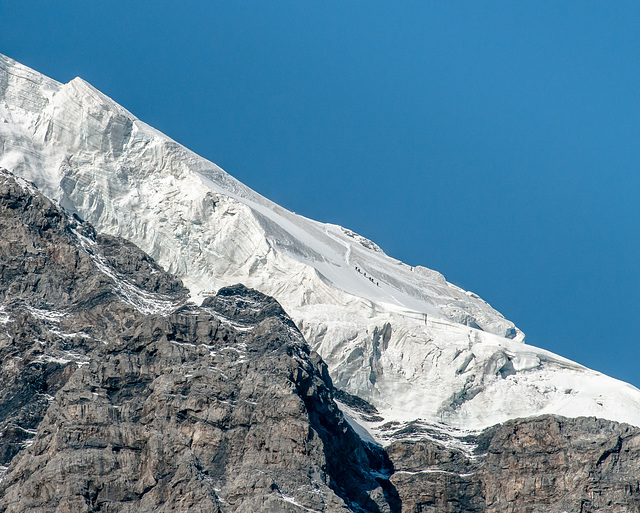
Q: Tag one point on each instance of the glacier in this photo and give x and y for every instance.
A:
(401, 337)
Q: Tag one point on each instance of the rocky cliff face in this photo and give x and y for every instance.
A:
(546, 464)
(116, 395)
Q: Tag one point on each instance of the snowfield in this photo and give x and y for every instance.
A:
(401, 337)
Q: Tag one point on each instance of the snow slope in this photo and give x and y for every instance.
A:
(400, 337)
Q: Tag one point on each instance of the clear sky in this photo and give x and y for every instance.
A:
(497, 142)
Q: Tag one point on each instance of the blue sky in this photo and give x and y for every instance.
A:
(497, 142)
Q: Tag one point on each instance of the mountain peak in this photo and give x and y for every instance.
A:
(401, 337)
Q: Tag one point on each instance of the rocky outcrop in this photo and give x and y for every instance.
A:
(187, 412)
(56, 305)
(555, 464)
(547, 464)
(113, 403)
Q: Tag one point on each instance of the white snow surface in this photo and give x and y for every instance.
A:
(401, 337)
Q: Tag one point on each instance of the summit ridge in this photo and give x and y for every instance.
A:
(403, 338)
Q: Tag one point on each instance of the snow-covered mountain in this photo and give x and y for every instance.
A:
(401, 337)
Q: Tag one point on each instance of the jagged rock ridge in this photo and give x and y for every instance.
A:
(109, 406)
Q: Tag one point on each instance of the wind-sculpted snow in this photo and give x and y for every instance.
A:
(401, 337)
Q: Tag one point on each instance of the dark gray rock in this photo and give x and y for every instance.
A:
(545, 464)
(57, 305)
(555, 464)
(107, 406)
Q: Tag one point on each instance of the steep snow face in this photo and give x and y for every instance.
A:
(401, 337)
